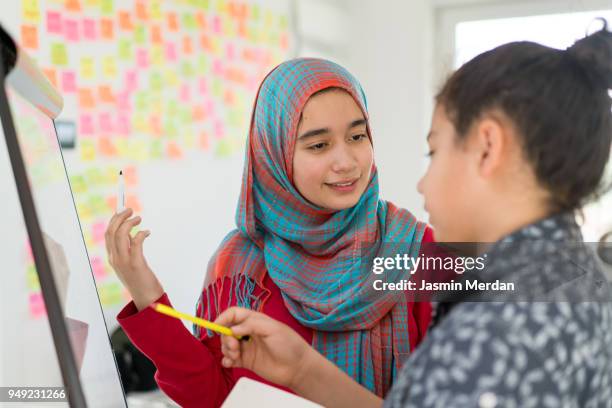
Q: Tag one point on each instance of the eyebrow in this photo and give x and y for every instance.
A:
(316, 132)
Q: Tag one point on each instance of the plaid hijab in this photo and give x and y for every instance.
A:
(319, 258)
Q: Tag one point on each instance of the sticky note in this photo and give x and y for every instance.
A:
(54, 22)
(216, 25)
(59, 55)
(187, 69)
(69, 81)
(156, 34)
(106, 123)
(86, 125)
(157, 55)
(73, 5)
(109, 67)
(106, 7)
(173, 150)
(107, 29)
(97, 232)
(155, 10)
(130, 176)
(87, 68)
(187, 45)
(125, 49)
(123, 124)
(141, 10)
(97, 266)
(71, 30)
(51, 75)
(171, 77)
(204, 141)
(110, 294)
(201, 20)
(140, 34)
(106, 147)
(29, 37)
(123, 101)
(105, 94)
(77, 183)
(142, 58)
(172, 21)
(90, 31)
(185, 94)
(219, 129)
(156, 149)
(31, 11)
(36, 305)
(125, 21)
(32, 282)
(86, 98)
(170, 49)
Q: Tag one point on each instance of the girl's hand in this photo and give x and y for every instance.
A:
(274, 351)
(126, 257)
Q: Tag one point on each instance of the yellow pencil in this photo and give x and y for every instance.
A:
(167, 310)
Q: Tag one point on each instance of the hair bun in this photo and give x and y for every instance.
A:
(594, 53)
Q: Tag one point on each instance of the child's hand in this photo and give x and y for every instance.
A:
(274, 351)
(127, 259)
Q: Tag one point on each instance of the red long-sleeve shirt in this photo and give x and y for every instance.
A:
(189, 370)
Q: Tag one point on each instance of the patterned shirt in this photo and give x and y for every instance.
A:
(517, 353)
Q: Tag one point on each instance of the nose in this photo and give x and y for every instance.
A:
(420, 185)
(344, 160)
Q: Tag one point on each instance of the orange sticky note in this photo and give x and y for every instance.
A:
(105, 94)
(29, 37)
(141, 10)
(187, 45)
(106, 147)
(156, 34)
(125, 21)
(73, 5)
(133, 202)
(204, 141)
(130, 176)
(172, 21)
(173, 150)
(51, 75)
(107, 29)
(86, 98)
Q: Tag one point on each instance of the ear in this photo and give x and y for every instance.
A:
(490, 141)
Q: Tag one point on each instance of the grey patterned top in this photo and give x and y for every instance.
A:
(519, 354)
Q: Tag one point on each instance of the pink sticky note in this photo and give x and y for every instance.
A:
(216, 25)
(29, 255)
(97, 267)
(131, 80)
(209, 107)
(89, 29)
(142, 58)
(86, 125)
(219, 129)
(230, 51)
(171, 52)
(106, 123)
(54, 22)
(202, 86)
(97, 232)
(69, 81)
(37, 305)
(71, 30)
(185, 94)
(123, 124)
(123, 101)
(217, 67)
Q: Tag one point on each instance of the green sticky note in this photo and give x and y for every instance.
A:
(141, 100)
(189, 21)
(217, 87)
(59, 54)
(125, 49)
(156, 149)
(140, 34)
(106, 7)
(187, 69)
(223, 148)
(156, 81)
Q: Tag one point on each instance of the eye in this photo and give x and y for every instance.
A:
(318, 146)
(359, 137)
(430, 153)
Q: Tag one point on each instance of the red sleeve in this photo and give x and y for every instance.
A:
(188, 370)
(421, 310)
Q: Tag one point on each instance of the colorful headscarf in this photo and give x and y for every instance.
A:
(316, 256)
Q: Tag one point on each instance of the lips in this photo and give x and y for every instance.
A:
(344, 186)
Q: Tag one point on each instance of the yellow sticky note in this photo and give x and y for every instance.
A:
(157, 55)
(88, 151)
(87, 68)
(31, 11)
(59, 54)
(109, 67)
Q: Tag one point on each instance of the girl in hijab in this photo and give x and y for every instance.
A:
(309, 221)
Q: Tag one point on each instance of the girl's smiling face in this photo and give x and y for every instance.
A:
(333, 157)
